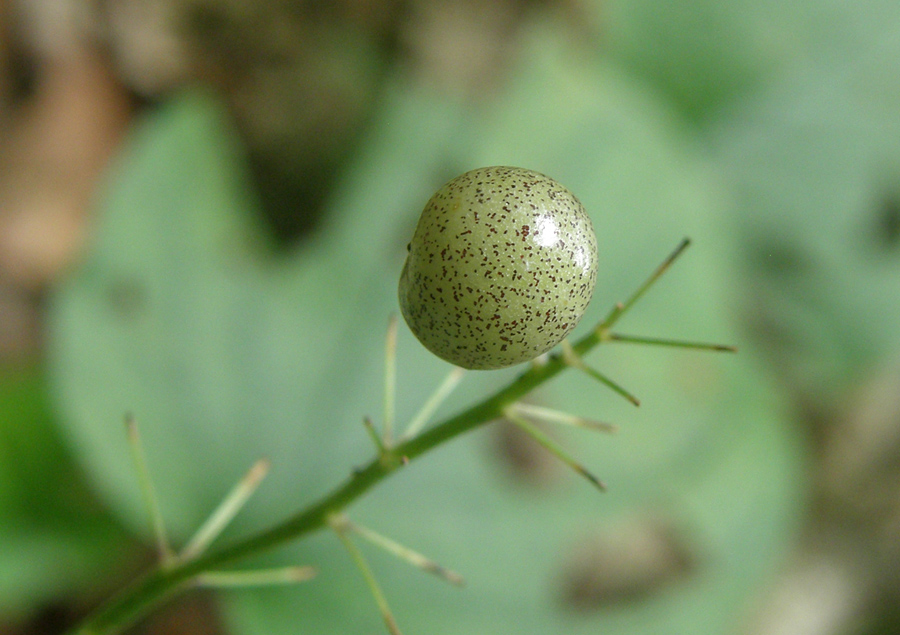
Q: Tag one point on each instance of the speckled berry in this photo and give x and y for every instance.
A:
(500, 269)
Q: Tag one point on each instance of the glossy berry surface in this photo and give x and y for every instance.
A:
(500, 269)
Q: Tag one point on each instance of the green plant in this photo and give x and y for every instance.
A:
(195, 565)
(229, 351)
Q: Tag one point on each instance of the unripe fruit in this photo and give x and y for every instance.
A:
(500, 269)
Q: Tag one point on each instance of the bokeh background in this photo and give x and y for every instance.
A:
(204, 207)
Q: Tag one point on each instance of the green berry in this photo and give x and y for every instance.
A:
(500, 269)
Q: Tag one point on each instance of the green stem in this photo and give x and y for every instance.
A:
(159, 584)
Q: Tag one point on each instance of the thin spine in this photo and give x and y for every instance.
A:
(414, 558)
(261, 577)
(656, 341)
(233, 502)
(571, 358)
(390, 380)
(338, 524)
(434, 401)
(553, 447)
(376, 438)
(148, 492)
(621, 308)
(550, 415)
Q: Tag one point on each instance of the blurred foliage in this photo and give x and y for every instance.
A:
(47, 514)
(768, 132)
(813, 163)
(704, 55)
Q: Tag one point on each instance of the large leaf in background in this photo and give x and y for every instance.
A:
(54, 540)
(704, 54)
(708, 453)
(815, 167)
(223, 351)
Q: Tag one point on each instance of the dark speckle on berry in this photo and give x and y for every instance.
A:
(500, 269)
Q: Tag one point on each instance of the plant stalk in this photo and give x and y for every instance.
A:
(150, 590)
(154, 587)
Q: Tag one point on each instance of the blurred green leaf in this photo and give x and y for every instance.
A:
(223, 351)
(706, 54)
(54, 539)
(815, 168)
